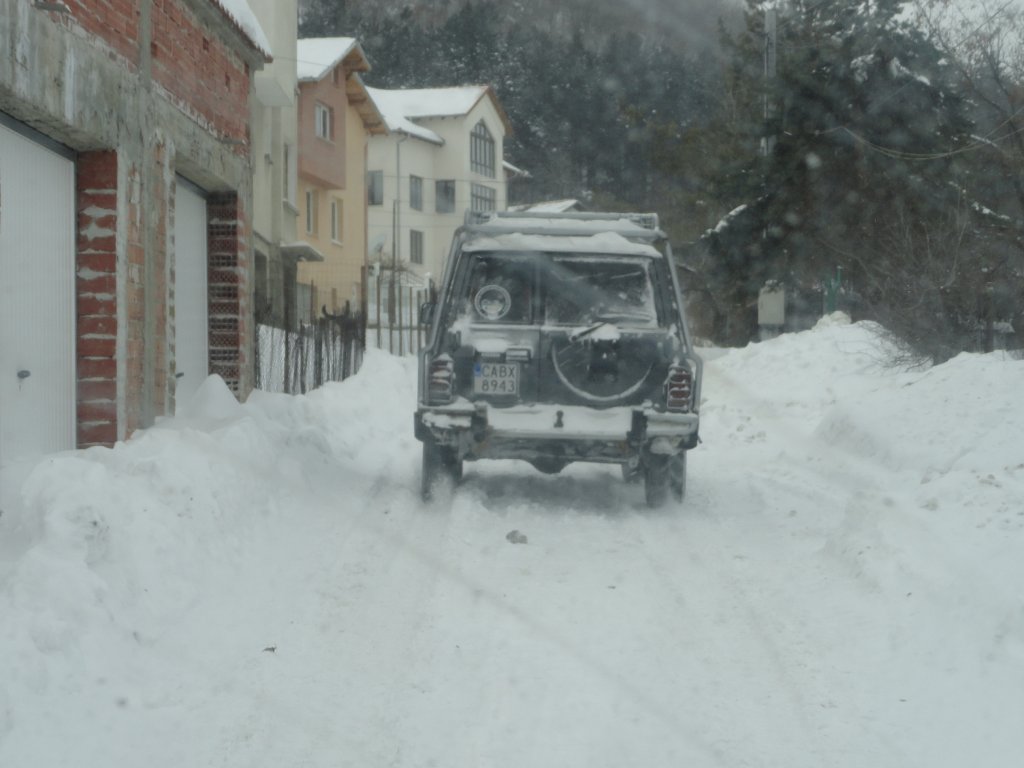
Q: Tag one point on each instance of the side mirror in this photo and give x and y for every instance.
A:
(427, 312)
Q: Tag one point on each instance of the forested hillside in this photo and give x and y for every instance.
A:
(604, 102)
(877, 166)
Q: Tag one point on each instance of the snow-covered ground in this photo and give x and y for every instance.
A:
(259, 584)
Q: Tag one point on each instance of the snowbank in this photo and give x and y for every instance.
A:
(258, 584)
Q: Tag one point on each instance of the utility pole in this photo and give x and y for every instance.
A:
(770, 38)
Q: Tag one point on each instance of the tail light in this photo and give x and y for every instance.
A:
(678, 389)
(441, 380)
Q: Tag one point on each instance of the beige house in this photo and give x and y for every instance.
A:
(443, 156)
(336, 116)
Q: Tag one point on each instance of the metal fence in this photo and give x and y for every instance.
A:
(394, 317)
(330, 349)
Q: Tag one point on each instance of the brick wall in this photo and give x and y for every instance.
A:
(124, 200)
(116, 22)
(200, 70)
(207, 77)
(96, 288)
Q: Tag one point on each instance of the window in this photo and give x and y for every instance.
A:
(481, 150)
(336, 210)
(415, 246)
(482, 198)
(375, 188)
(444, 196)
(416, 193)
(324, 118)
(289, 174)
(312, 201)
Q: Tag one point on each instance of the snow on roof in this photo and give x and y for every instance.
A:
(402, 108)
(435, 102)
(391, 105)
(241, 14)
(319, 55)
(515, 171)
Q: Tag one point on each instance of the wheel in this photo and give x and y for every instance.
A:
(438, 464)
(452, 464)
(430, 469)
(677, 476)
(656, 479)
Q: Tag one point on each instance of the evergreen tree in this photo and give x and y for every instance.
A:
(865, 131)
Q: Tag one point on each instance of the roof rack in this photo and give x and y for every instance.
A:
(506, 220)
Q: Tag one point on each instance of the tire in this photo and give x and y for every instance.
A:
(430, 469)
(438, 464)
(451, 464)
(677, 476)
(656, 479)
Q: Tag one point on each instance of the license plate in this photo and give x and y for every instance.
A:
(496, 378)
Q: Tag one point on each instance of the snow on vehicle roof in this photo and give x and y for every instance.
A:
(241, 14)
(611, 243)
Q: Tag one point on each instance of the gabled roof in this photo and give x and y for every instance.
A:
(402, 108)
(317, 56)
(241, 15)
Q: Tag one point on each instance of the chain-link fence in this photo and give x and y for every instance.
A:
(330, 349)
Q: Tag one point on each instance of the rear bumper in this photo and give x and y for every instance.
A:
(568, 433)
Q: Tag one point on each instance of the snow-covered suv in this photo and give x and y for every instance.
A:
(558, 338)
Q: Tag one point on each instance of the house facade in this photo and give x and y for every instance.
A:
(443, 156)
(336, 116)
(275, 152)
(125, 210)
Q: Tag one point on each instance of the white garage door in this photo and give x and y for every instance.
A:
(191, 344)
(37, 299)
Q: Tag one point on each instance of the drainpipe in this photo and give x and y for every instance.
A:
(396, 222)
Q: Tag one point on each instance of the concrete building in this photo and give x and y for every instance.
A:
(336, 116)
(275, 149)
(443, 156)
(125, 202)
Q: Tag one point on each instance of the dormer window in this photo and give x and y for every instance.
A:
(481, 150)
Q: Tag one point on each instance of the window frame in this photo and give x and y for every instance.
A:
(482, 150)
(482, 198)
(415, 246)
(312, 211)
(416, 192)
(336, 222)
(444, 184)
(372, 185)
(323, 121)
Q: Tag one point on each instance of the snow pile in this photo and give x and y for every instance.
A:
(259, 584)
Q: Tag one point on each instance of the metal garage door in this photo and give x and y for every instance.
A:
(37, 299)
(191, 342)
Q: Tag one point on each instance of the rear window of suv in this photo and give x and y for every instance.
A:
(591, 289)
(573, 289)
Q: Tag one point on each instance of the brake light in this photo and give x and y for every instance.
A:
(678, 389)
(441, 380)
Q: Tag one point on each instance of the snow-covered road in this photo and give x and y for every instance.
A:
(260, 585)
